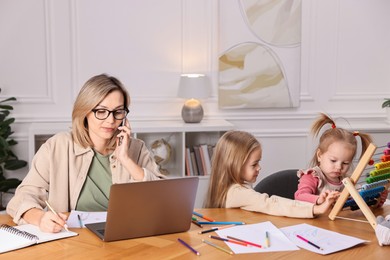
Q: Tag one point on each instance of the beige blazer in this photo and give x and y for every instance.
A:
(59, 169)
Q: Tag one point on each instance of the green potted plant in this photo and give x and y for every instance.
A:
(386, 105)
(8, 159)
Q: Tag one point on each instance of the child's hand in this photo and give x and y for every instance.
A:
(322, 197)
(330, 199)
(327, 194)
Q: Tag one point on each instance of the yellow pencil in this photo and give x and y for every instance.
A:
(52, 210)
(218, 247)
(267, 239)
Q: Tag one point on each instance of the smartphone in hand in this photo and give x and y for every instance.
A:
(122, 124)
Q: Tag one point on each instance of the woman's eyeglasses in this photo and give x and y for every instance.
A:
(101, 113)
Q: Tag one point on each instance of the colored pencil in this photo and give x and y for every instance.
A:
(52, 210)
(215, 229)
(249, 243)
(218, 247)
(196, 223)
(188, 246)
(222, 223)
(229, 240)
(80, 222)
(310, 243)
(267, 242)
(202, 216)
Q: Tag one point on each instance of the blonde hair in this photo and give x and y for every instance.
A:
(90, 95)
(231, 152)
(335, 134)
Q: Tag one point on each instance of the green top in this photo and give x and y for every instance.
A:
(96, 190)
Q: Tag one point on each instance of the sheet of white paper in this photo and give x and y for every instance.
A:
(86, 218)
(255, 233)
(328, 240)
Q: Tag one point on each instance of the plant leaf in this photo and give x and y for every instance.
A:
(10, 183)
(8, 99)
(6, 108)
(14, 164)
(386, 103)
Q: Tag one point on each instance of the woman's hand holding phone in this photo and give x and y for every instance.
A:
(121, 137)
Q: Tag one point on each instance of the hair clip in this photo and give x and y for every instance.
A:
(333, 126)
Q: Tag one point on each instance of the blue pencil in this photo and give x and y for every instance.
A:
(221, 223)
(202, 216)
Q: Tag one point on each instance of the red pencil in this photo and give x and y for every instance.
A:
(249, 243)
(230, 240)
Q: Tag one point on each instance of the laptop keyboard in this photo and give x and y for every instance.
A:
(100, 231)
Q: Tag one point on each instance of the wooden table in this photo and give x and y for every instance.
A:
(88, 246)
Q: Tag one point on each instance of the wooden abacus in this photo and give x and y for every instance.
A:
(350, 189)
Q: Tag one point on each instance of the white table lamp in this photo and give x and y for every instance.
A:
(193, 87)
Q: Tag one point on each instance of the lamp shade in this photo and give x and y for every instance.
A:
(193, 86)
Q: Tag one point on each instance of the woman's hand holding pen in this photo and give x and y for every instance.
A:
(52, 223)
(47, 221)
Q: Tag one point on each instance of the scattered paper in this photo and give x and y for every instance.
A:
(86, 218)
(256, 233)
(328, 240)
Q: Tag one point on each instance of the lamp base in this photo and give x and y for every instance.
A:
(192, 114)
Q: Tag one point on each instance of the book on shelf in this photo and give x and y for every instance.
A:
(198, 160)
(17, 237)
(211, 151)
(194, 165)
(188, 163)
(200, 156)
(203, 161)
(206, 158)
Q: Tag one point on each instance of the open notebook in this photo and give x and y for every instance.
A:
(16, 237)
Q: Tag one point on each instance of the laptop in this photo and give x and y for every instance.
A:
(148, 208)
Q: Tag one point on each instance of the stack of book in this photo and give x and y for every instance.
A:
(198, 160)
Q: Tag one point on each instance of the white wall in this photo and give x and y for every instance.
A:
(49, 48)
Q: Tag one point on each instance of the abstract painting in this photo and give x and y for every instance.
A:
(259, 61)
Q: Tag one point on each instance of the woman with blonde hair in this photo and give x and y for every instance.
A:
(74, 170)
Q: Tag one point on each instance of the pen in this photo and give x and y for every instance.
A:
(222, 223)
(81, 223)
(268, 244)
(52, 210)
(188, 246)
(249, 243)
(311, 243)
(202, 216)
(215, 229)
(218, 247)
(230, 240)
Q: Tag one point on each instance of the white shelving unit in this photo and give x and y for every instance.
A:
(178, 134)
